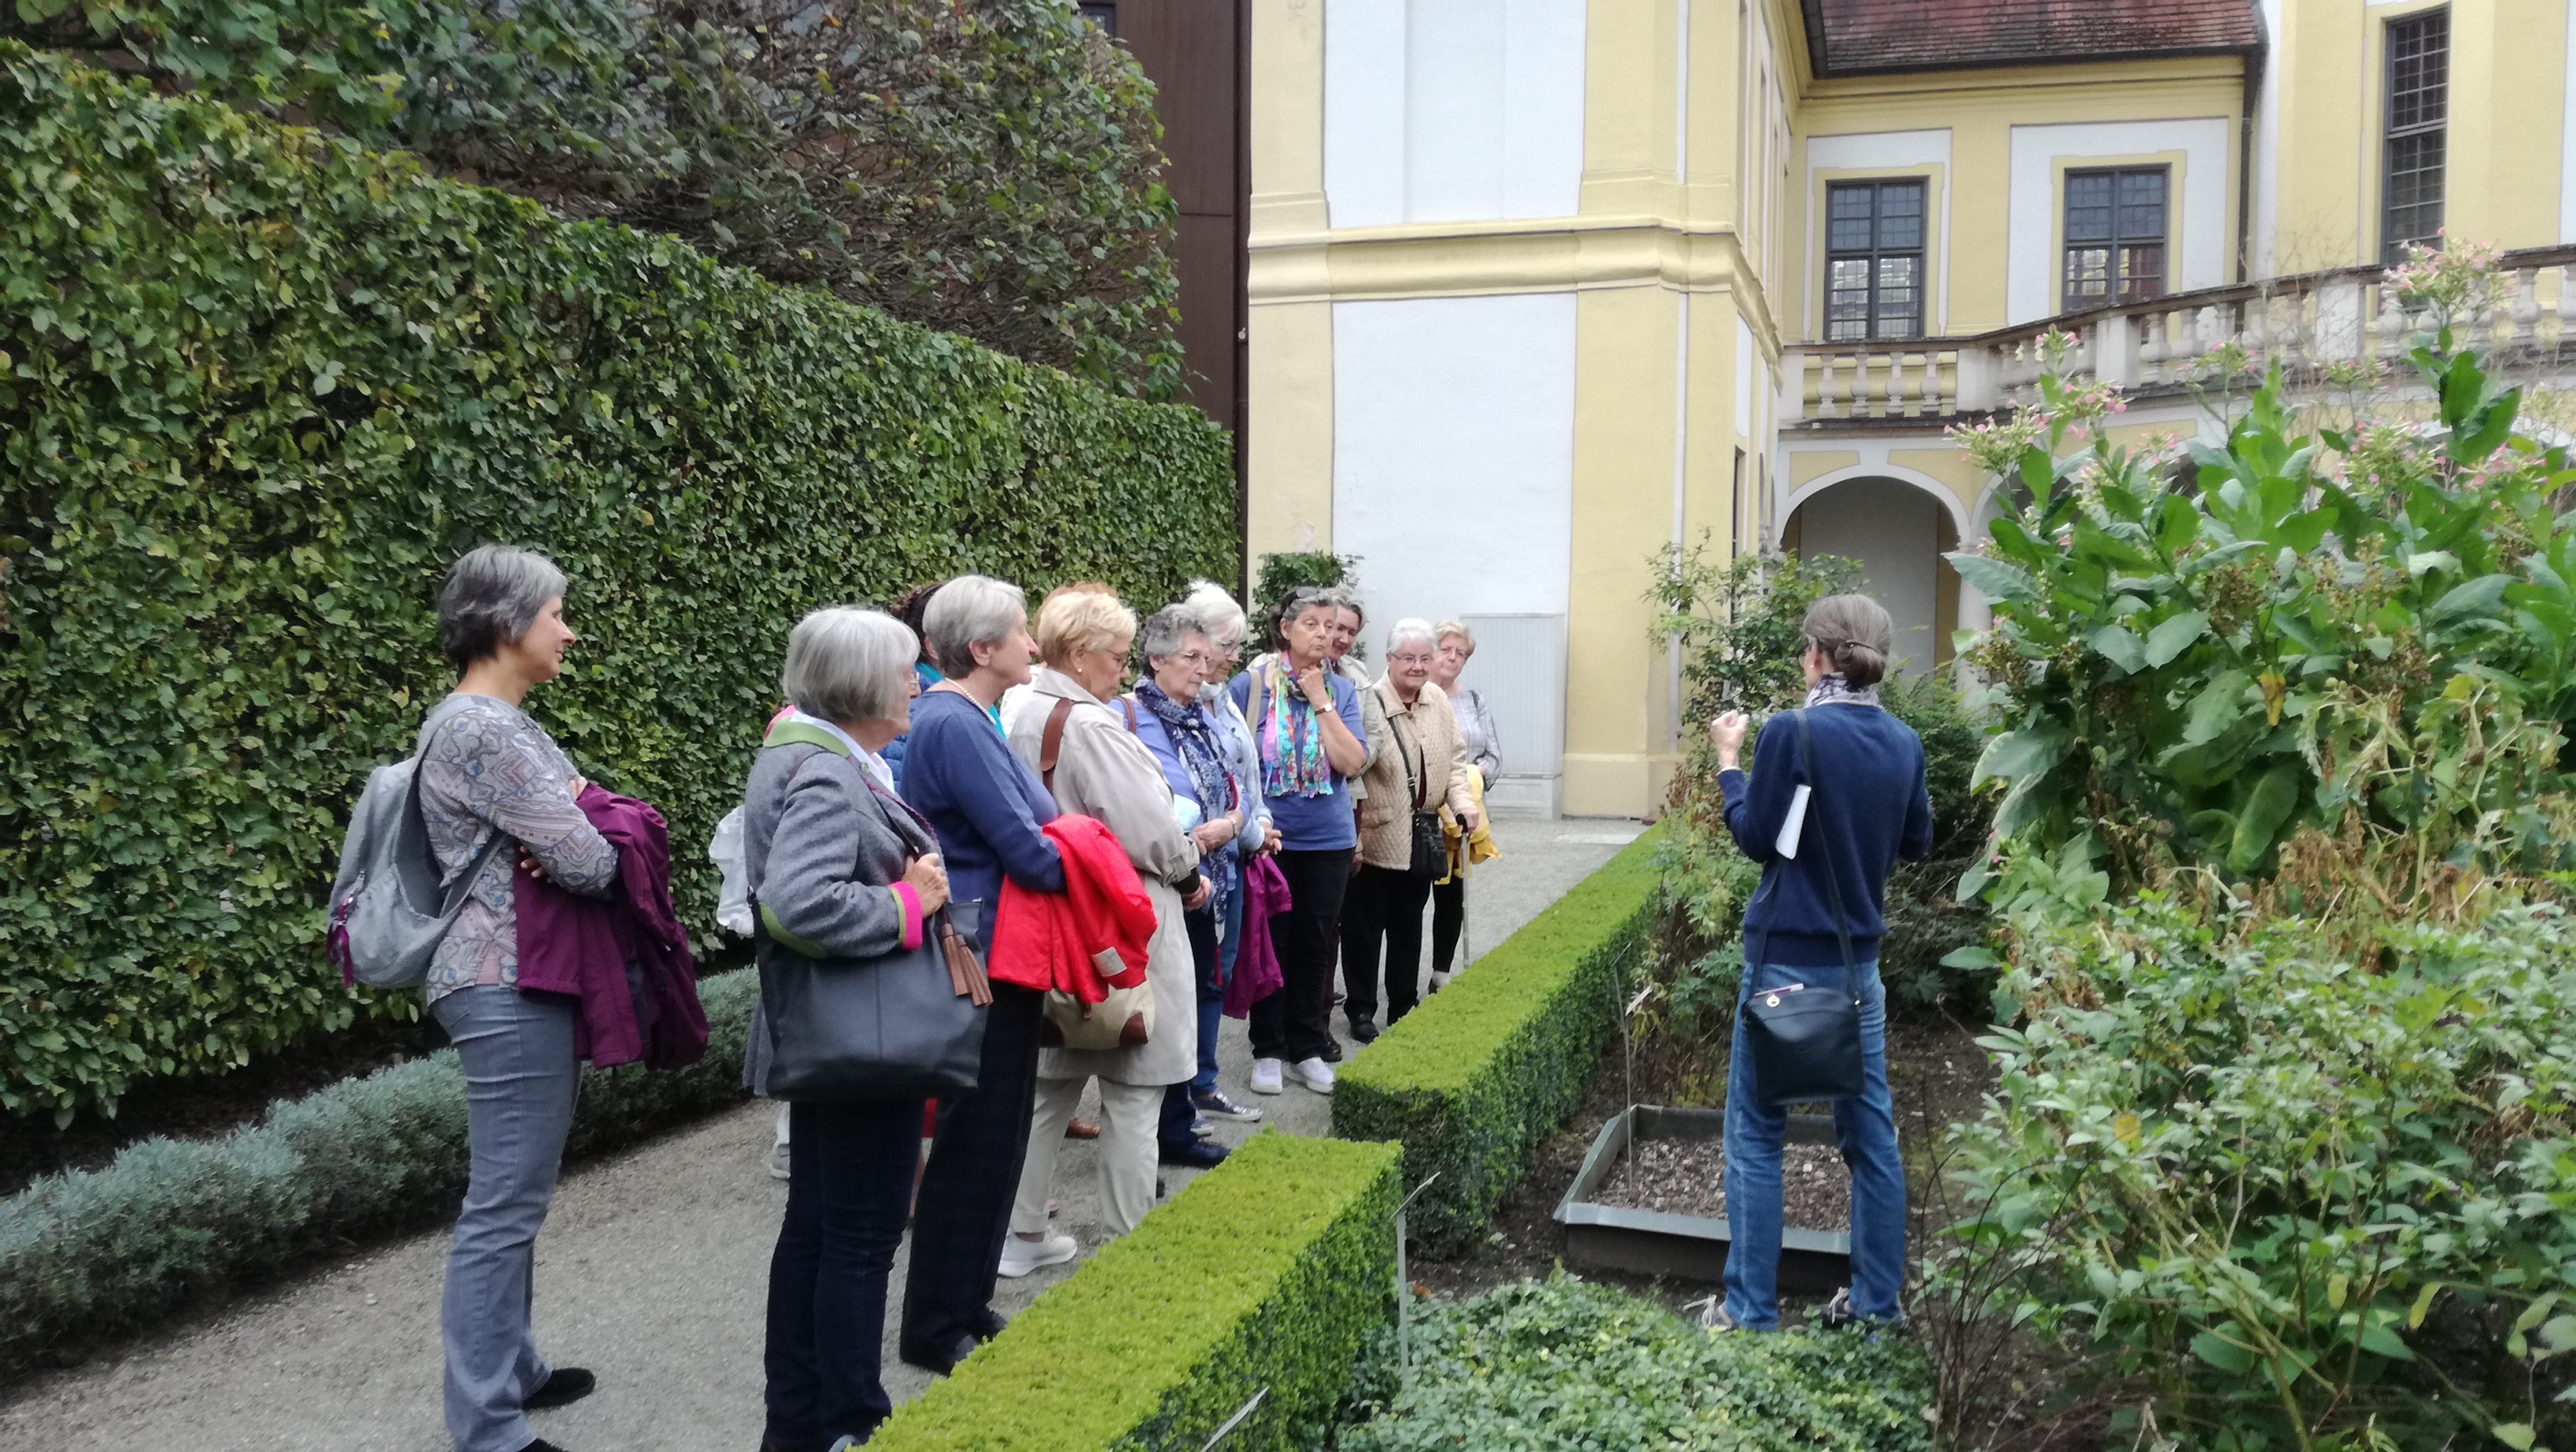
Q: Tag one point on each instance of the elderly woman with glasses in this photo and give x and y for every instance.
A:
(988, 808)
(1483, 745)
(1306, 721)
(1104, 772)
(1224, 622)
(1424, 769)
(843, 870)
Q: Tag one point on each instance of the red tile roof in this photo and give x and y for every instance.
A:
(1849, 37)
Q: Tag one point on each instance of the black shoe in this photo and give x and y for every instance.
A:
(1198, 1154)
(563, 1386)
(1364, 1030)
(936, 1361)
(1332, 1052)
(990, 1325)
(541, 1445)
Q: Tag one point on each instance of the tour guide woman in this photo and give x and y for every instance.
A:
(1867, 807)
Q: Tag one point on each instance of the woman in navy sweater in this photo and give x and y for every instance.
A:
(1866, 807)
(960, 774)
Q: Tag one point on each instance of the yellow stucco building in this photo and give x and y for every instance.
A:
(1538, 287)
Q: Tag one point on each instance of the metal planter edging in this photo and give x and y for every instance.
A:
(1691, 1247)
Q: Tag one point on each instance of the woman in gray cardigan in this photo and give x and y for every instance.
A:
(839, 868)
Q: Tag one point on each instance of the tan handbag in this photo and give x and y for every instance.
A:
(1125, 1018)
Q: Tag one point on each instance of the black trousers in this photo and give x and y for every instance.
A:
(964, 1208)
(1179, 1112)
(849, 1182)
(1384, 909)
(1290, 1024)
(1448, 919)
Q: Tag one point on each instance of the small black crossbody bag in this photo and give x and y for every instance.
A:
(1806, 1044)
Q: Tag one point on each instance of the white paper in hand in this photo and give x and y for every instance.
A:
(1793, 824)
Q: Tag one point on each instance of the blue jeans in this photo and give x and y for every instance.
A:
(1866, 1129)
(849, 1187)
(520, 1082)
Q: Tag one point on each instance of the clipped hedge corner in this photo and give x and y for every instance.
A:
(103, 1251)
(1473, 1079)
(1268, 1271)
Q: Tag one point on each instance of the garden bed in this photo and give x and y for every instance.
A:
(1660, 1157)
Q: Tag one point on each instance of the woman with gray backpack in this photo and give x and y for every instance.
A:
(498, 796)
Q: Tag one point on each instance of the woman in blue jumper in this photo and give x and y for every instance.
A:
(1867, 806)
(987, 807)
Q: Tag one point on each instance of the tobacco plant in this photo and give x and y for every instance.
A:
(2198, 653)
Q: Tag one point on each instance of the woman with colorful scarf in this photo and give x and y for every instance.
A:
(1307, 723)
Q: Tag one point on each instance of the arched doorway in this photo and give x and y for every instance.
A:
(1898, 530)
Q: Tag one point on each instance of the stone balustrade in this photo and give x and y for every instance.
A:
(2171, 344)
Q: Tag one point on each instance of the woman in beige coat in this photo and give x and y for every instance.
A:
(1102, 771)
(1423, 769)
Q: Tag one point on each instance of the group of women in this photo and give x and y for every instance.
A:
(1355, 791)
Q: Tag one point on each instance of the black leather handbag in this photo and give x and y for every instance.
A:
(901, 1025)
(1806, 1041)
(1430, 857)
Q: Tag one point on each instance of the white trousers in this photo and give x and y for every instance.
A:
(1129, 1116)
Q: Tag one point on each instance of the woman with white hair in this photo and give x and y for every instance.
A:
(1483, 744)
(842, 871)
(987, 807)
(1101, 770)
(499, 797)
(1401, 847)
(1226, 627)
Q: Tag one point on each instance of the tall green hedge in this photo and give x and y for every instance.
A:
(1268, 1272)
(258, 387)
(1473, 1079)
(92, 1253)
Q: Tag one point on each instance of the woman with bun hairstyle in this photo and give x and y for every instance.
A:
(1865, 806)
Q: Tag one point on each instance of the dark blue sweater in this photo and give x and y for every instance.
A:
(1868, 808)
(984, 802)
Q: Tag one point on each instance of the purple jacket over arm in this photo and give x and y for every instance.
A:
(625, 956)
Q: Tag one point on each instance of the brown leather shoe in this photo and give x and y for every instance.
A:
(1078, 1127)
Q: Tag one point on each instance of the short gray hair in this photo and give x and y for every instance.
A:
(1219, 613)
(1167, 628)
(848, 664)
(491, 597)
(1343, 597)
(1410, 631)
(969, 611)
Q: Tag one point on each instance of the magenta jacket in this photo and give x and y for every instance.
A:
(625, 957)
(1256, 962)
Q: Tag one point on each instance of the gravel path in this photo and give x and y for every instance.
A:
(651, 1271)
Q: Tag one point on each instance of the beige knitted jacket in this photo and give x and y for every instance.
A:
(1423, 739)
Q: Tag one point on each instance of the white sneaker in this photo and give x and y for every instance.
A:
(1439, 981)
(1265, 1076)
(778, 1162)
(1019, 1257)
(1315, 1074)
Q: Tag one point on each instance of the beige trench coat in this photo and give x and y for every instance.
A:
(1103, 772)
(1422, 741)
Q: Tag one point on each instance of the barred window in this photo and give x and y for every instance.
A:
(2419, 87)
(2115, 236)
(1874, 260)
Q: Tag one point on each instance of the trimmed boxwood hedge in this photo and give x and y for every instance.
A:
(258, 387)
(95, 1252)
(1268, 1271)
(1473, 1079)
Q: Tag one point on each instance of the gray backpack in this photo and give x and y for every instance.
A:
(390, 903)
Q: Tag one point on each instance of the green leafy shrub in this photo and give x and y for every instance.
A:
(2293, 1202)
(96, 1252)
(1473, 1079)
(1267, 1272)
(1281, 573)
(1562, 1366)
(2361, 634)
(261, 387)
(990, 169)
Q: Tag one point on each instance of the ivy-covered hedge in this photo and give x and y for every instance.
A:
(258, 387)
(1473, 1079)
(97, 1252)
(1268, 1272)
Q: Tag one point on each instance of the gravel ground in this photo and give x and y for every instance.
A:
(651, 1272)
(1688, 1177)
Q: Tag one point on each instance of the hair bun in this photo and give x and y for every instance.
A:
(1861, 665)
